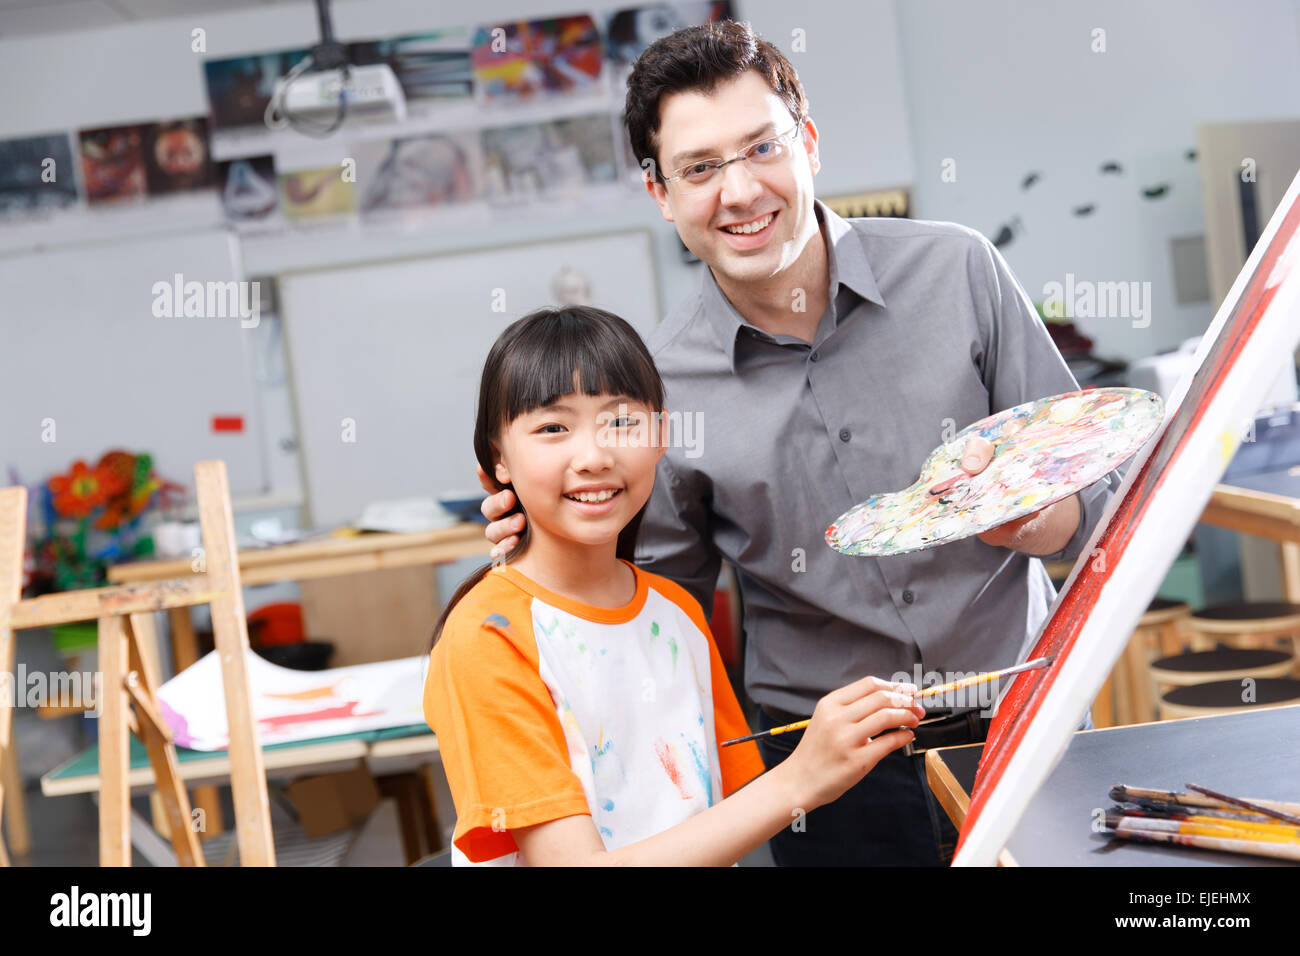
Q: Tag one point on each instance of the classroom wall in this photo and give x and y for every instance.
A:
(1005, 88)
(147, 71)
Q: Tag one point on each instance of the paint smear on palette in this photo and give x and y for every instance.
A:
(1043, 451)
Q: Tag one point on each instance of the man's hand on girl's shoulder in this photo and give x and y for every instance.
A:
(502, 531)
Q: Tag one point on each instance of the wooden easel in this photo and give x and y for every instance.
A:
(127, 696)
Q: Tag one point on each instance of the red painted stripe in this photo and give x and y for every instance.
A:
(227, 423)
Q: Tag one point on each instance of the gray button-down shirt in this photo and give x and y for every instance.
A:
(925, 332)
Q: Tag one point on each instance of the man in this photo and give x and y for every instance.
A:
(826, 359)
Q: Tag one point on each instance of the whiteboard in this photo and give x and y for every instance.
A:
(386, 357)
(86, 366)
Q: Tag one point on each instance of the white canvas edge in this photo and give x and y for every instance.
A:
(1151, 552)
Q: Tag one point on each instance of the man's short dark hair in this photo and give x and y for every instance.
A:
(697, 59)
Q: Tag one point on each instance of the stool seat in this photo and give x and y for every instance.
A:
(1233, 615)
(1224, 664)
(1219, 695)
(1163, 610)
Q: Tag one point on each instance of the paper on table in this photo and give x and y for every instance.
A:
(291, 705)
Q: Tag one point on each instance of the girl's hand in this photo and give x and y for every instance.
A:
(852, 729)
(502, 532)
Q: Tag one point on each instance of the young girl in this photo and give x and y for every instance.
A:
(579, 702)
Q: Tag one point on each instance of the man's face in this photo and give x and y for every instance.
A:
(718, 125)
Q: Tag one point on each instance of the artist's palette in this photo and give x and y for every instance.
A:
(1043, 451)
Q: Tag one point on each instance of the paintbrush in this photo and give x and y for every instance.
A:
(1176, 809)
(1182, 815)
(1122, 793)
(1247, 804)
(1149, 831)
(934, 691)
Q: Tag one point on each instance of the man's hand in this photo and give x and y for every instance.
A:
(1046, 531)
(502, 532)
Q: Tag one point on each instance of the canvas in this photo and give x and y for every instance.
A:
(1139, 535)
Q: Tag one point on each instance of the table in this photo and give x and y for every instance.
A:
(1266, 505)
(1252, 754)
(398, 757)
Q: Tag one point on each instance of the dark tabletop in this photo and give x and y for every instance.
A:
(1255, 754)
(1285, 482)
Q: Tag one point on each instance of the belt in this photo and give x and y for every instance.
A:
(943, 729)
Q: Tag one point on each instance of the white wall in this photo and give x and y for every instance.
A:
(1004, 87)
(147, 71)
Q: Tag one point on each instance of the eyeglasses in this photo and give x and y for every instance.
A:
(764, 152)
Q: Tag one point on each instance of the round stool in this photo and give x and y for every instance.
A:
(1128, 696)
(1225, 697)
(1225, 664)
(1259, 624)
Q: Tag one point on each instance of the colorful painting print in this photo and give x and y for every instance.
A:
(316, 193)
(629, 31)
(112, 164)
(417, 173)
(248, 189)
(240, 88)
(1139, 535)
(431, 67)
(176, 156)
(36, 174)
(1043, 451)
(517, 61)
(291, 705)
(548, 159)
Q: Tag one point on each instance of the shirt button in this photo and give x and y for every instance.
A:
(814, 357)
(908, 597)
(845, 434)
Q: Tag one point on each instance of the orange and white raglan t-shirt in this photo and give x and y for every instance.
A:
(546, 708)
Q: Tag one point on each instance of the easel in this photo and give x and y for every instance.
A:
(126, 691)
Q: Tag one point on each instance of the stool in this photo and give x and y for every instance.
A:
(1259, 624)
(1127, 697)
(1226, 665)
(1225, 697)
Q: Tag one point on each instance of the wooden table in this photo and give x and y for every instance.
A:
(1251, 754)
(303, 561)
(1267, 506)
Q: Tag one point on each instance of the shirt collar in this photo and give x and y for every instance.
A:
(847, 263)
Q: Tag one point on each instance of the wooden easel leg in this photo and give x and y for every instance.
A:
(162, 755)
(17, 829)
(13, 519)
(114, 746)
(185, 651)
(230, 628)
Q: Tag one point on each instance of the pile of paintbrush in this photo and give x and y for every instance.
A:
(1206, 819)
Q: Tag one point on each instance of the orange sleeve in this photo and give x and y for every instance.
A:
(739, 763)
(502, 745)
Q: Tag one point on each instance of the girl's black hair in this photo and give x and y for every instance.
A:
(536, 361)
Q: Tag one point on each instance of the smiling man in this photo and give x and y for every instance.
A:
(828, 357)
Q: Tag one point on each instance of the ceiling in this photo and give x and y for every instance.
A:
(33, 17)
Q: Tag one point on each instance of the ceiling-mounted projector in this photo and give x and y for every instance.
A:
(371, 92)
(323, 89)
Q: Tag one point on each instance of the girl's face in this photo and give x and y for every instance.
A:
(583, 466)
